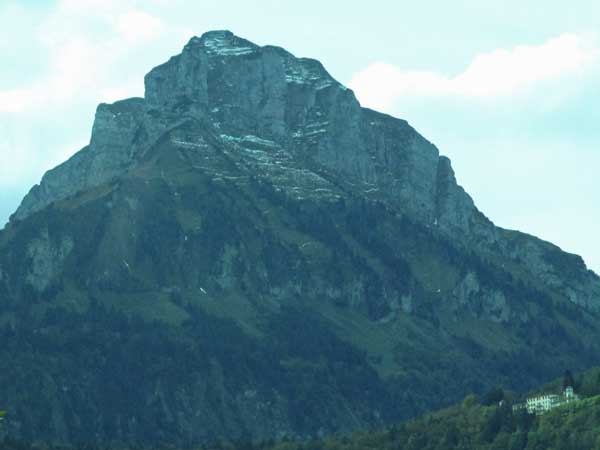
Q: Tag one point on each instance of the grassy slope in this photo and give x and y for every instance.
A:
(416, 355)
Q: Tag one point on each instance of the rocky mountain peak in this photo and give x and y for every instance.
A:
(288, 122)
(246, 251)
(222, 74)
(223, 43)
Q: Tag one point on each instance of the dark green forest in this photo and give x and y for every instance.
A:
(74, 360)
(486, 423)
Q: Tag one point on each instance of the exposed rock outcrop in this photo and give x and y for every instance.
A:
(246, 251)
(255, 95)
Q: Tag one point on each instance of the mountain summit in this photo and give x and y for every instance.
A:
(246, 251)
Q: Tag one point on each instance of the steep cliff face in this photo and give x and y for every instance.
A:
(117, 134)
(249, 198)
(264, 93)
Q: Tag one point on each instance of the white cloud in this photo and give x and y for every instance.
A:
(92, 6)
(84, 52)
(72, 70)
(16, 100)
(139, 26)
(495, 74)
(84, 41)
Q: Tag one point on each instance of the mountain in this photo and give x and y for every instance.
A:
(247, 252)
(489, 423)
(481, 426)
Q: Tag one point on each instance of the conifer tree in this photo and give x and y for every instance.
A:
(568, 380)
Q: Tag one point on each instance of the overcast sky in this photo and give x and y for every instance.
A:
(509, 90)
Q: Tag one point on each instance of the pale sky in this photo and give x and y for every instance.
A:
(509, 90)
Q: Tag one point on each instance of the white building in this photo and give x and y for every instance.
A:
(545, 402)
(570, 394)
(542, 403)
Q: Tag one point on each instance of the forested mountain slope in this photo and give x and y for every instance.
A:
(247, 251)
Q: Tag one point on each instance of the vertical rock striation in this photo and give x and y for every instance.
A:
(246, 251)
(240, 89)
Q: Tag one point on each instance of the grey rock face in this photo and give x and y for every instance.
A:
(246, 90)
(117, 135)
(287, 120)
(47, 257)
(488, 303)
(356, 279)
